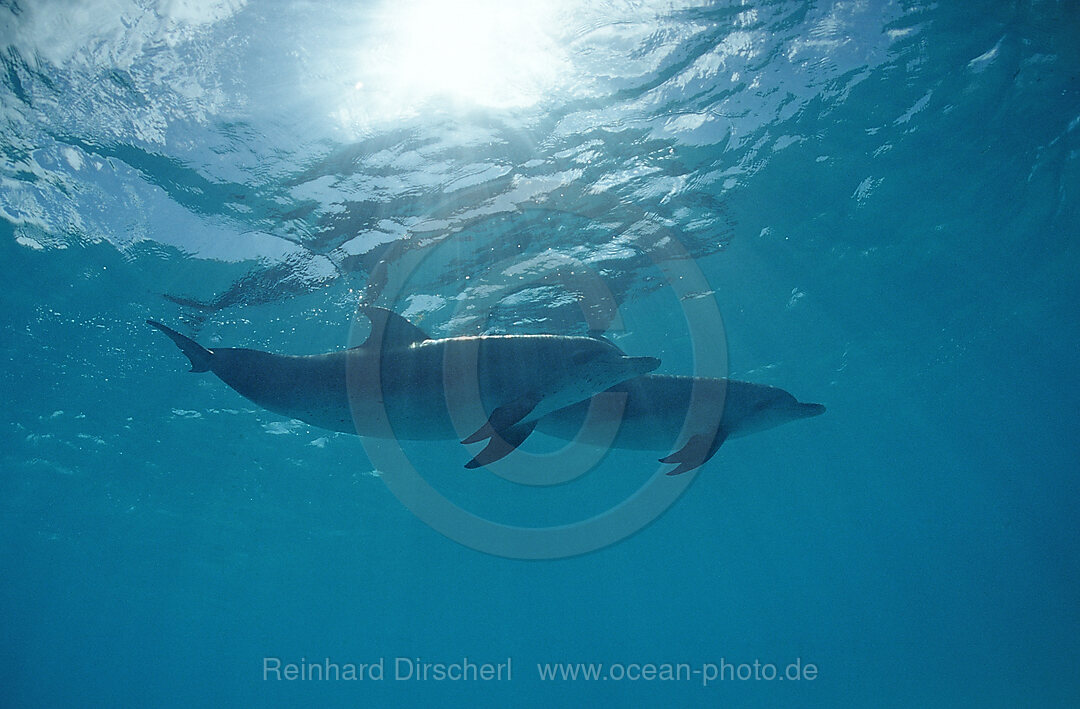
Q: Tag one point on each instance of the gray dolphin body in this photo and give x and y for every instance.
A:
(652, 412)
(402, 383)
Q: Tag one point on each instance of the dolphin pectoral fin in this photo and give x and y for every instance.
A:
(504, 430)
(683, 468)
(504, 417)
(198, 355)
(502, 443)
(392, 329)
(697, 451)
(485, 431)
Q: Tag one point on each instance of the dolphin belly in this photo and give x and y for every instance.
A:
(650, 410)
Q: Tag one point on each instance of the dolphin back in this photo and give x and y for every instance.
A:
(200, 356)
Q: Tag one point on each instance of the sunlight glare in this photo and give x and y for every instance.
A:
(473, 52)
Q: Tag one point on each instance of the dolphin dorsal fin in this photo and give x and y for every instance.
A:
(396, 330)
(597, 334)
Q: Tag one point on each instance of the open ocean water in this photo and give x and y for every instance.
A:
(881, 200)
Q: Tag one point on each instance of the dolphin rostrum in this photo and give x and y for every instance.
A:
(656, 412)
(404, 378)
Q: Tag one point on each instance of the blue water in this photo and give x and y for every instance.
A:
(882, 199)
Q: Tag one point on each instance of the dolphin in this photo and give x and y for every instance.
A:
(655, 412)
(402, 377)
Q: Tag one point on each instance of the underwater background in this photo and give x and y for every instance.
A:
(883, 198)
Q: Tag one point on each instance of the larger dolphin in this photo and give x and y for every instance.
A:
(657, 412)
(402, 377)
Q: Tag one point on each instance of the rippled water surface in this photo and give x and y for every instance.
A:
(880, 198)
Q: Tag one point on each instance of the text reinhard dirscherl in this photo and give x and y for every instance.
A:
(398, 668)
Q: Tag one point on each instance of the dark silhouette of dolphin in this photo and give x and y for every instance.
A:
(653, 413)
(403, 378)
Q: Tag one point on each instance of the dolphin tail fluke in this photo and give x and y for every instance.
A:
(200, 356)
(697, 451)
(502, 443)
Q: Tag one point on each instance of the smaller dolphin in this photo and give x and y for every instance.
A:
(402, 377)
(653, 411)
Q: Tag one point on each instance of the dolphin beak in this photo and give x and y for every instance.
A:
(808, 410)
(642, 365)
